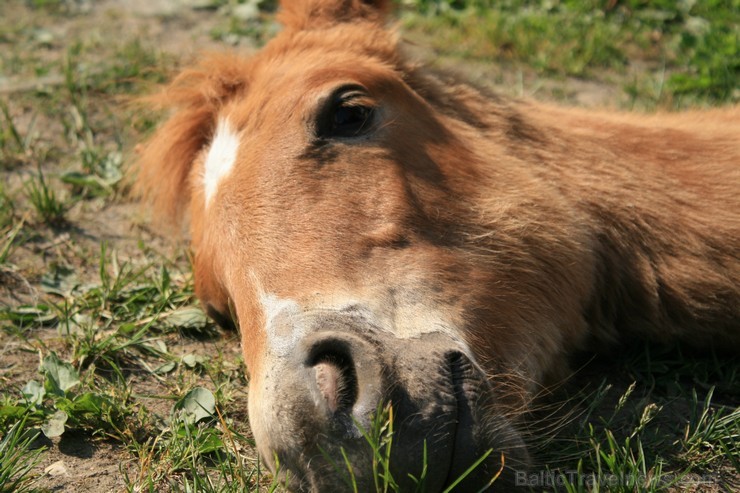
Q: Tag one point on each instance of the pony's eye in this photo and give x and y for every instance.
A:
(350, 120)
(348, 114)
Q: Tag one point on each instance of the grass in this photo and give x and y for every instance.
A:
(49, 208)
(101, 339)
(379, 440)
(13, 146)
(670, 421)
(18, 458)
(667, 53)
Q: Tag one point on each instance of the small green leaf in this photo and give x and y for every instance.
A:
(197, 404)
(33, 392)
(84, 180)
(206, 440)
(210, 443)
(54, 426)
(166, 368)
(161, 346)
(110, 168)
(13, 413)
(60, 281)
(192, 360)
(60, 375)
(27, 314)
(187, 318)
(90, 403)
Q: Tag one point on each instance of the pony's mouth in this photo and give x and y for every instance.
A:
(463, 455)
(480, 444)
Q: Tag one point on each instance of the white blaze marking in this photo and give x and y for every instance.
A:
(220, 158)
(283, 323)
(286, 322)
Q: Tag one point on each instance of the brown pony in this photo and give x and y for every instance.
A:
(381, 234)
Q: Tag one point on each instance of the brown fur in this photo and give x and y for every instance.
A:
(538, 230)
(641, 212)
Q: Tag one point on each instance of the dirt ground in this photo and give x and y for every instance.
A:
(78, 462)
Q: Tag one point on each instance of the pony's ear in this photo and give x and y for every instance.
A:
(316, 14)
(195, 97)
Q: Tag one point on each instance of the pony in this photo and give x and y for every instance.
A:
(382, 234)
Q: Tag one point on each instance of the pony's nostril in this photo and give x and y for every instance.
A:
(330, 382)
(336, 380)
